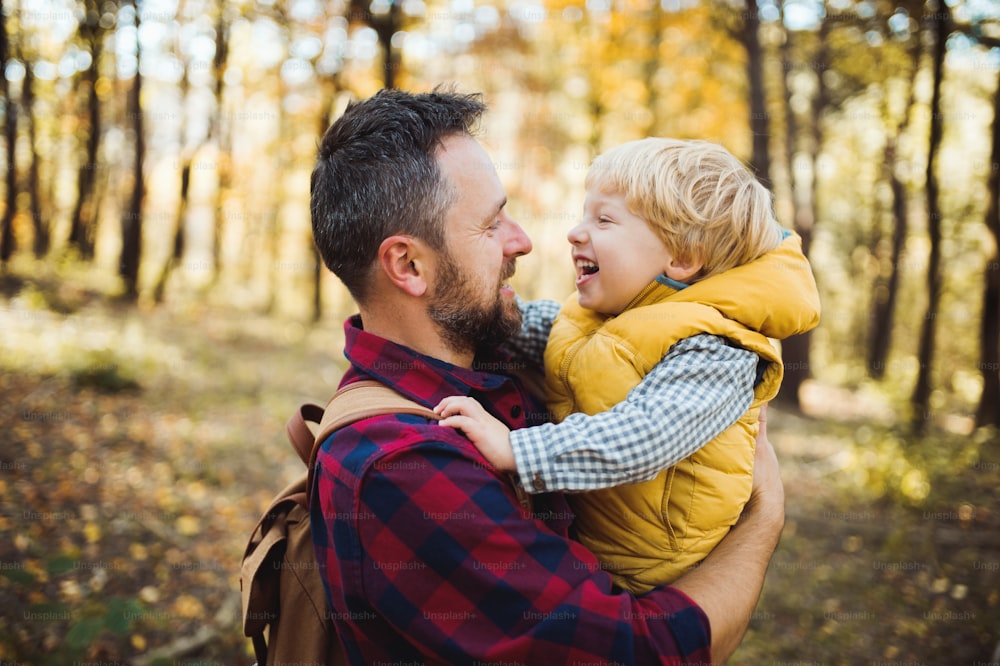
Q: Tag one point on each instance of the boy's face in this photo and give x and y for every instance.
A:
(615, 252)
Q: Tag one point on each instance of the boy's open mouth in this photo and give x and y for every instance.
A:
(586, 267)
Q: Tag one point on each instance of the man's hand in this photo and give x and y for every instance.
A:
(487, 433)
(768, 494)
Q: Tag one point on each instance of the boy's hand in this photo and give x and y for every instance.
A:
(487, 433)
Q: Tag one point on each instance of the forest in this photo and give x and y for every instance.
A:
(163, 309)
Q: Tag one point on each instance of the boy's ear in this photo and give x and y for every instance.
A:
(404, 261)
(683, 269)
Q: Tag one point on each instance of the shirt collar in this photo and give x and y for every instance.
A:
(417, 376)
(670, 282)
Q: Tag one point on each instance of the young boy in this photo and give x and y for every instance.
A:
(678, 239)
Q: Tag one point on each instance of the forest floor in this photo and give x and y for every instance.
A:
(139, 446)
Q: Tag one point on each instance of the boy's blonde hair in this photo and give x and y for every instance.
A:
(696, 196)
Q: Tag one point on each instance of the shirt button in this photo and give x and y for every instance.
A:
(538, 483)
(515, 411)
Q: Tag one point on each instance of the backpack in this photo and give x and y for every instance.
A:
(285, 610)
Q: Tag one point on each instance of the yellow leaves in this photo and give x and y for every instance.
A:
(852, 544)
(36, 568)
(134, 477)
(108, 424)
(187, 606)
(70, 590)
(174, 557)
(187, 525)
(92, 474)
(149, 594)
(226, 476)
(34, 449)
(103, 88)
(92, 532)
(914, 485)
(196, 490)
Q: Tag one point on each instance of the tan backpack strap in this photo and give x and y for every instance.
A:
(363, 400)
(302, 437)
(358, 401)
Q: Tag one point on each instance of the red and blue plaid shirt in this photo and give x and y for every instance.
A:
(430, 556)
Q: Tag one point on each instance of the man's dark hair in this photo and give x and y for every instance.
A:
(376, 175)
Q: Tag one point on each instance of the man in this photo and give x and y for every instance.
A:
(428, 554)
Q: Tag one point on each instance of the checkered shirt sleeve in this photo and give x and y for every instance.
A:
(528, 346)
(698, 389)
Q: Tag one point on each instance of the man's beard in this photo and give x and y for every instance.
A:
(465, 323)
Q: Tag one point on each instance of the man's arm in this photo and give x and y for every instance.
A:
(695, 392)
(728, 582)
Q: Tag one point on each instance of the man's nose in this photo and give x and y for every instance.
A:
(517, 242)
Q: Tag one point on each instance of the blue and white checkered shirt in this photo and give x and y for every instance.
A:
(695, 392)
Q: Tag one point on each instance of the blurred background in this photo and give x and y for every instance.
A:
(162, 309)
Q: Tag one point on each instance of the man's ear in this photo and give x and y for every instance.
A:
(683, 270)
(403, 259)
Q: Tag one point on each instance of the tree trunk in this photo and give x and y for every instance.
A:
(886, 293)
(187, 156)
(796, 350)
(220, 132)
(791, 122)
(132, 219)
(759, 119)
(886, 288)
(920, 399)
(988, 412)
(177, 249)
(84, 218)
(652, 67)
(385, 26)
(330, 91)
(10, 137)
(273, 227)
(317, 276)
(792, 352)
(40, 246)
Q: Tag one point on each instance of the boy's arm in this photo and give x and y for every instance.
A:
(528, 346)
(700, 388)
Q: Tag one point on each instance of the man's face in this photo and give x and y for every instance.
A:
(472, 303)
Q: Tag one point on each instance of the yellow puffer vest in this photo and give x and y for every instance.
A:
(647, 534)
